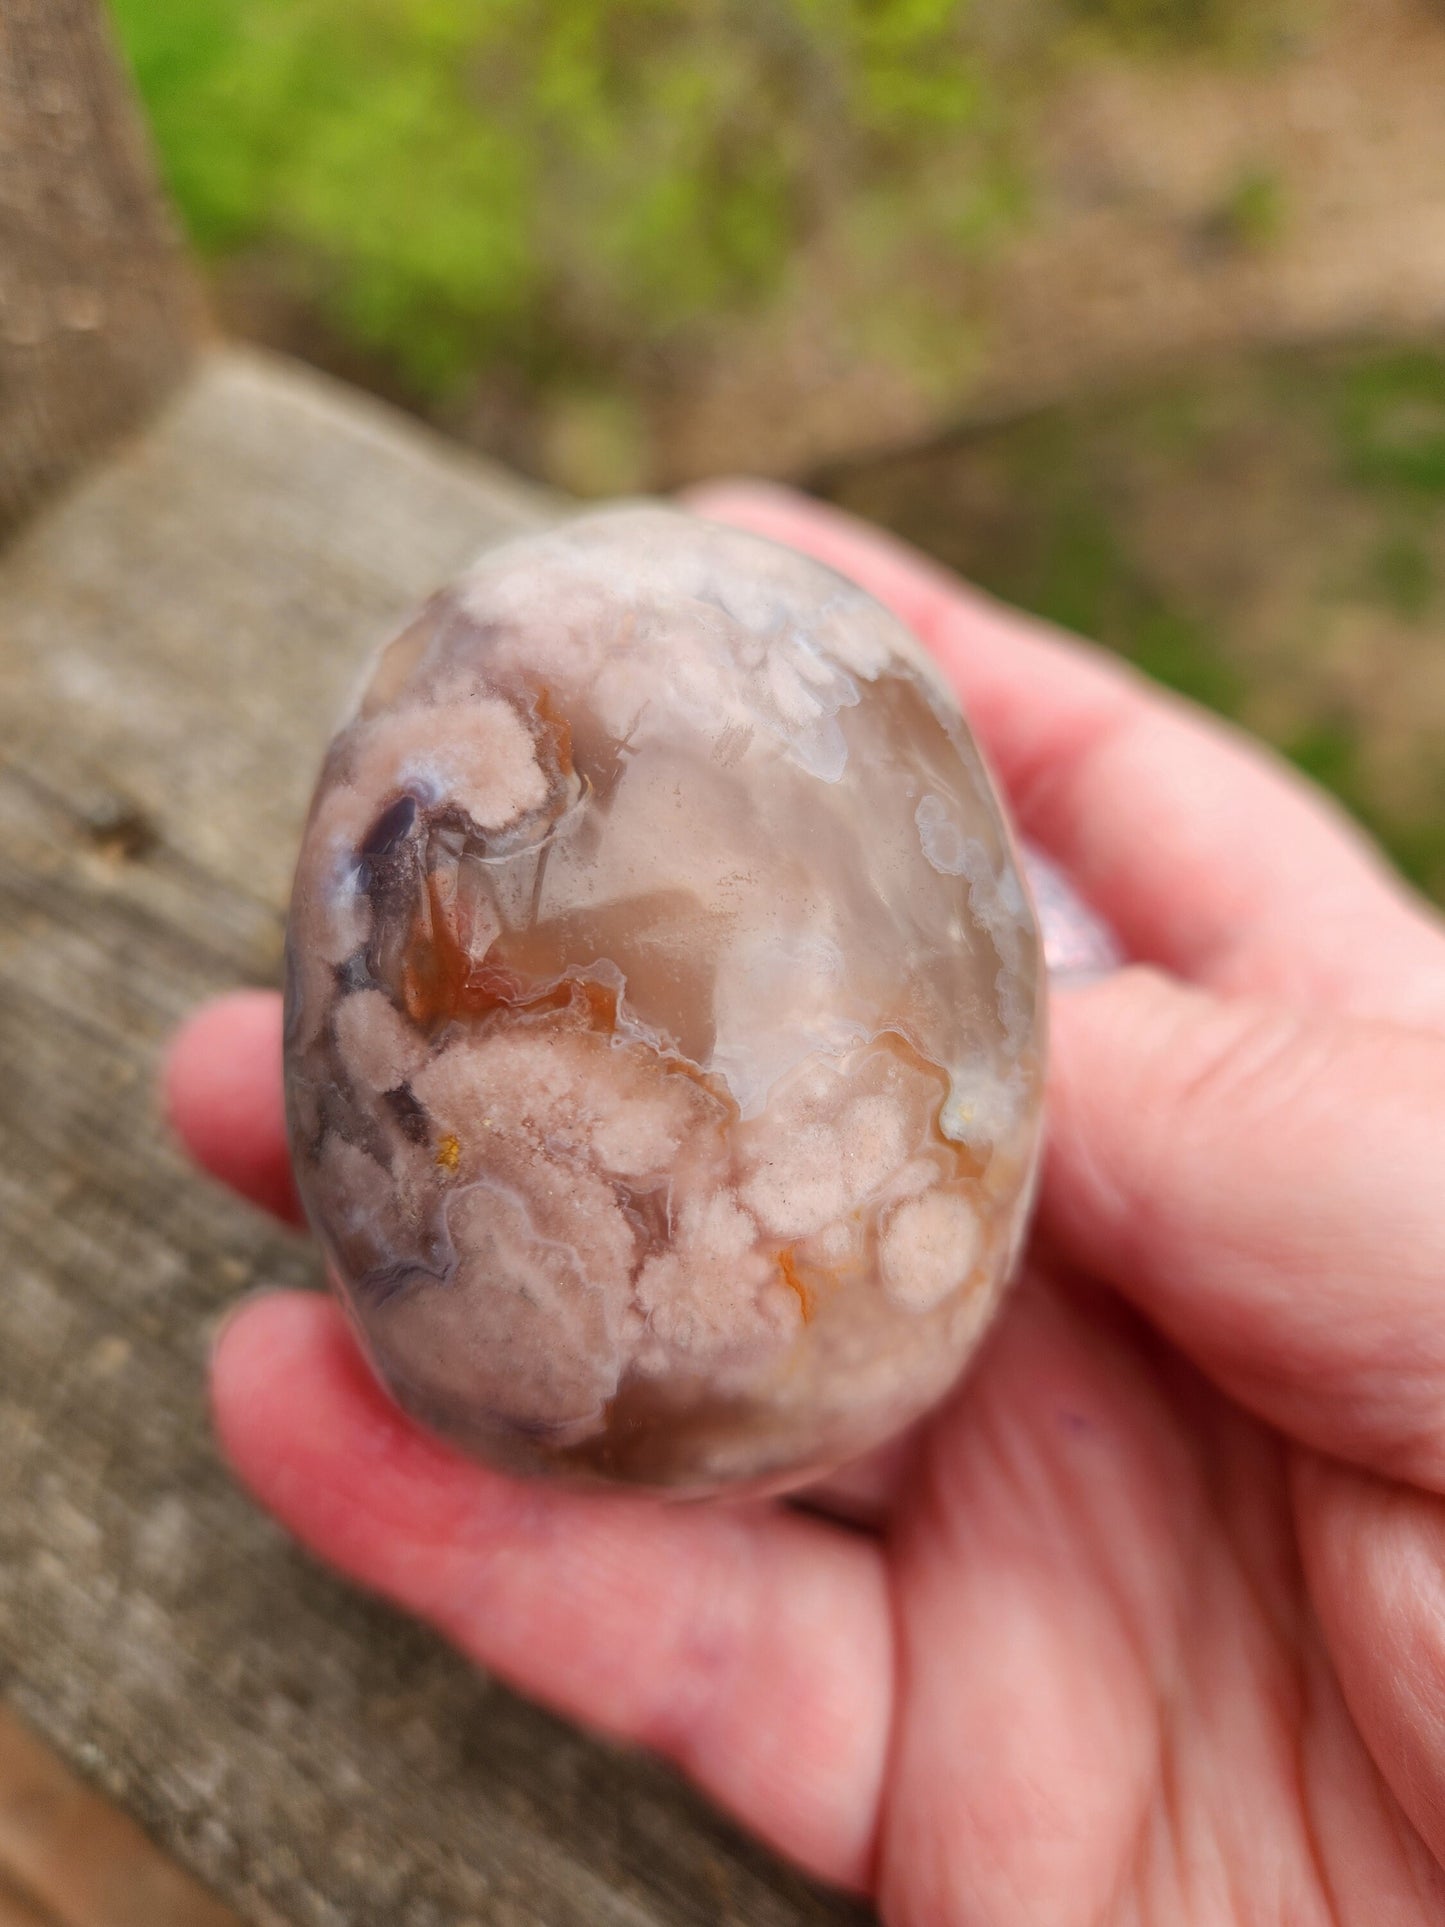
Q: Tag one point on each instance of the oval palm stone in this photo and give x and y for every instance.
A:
(664, 1044)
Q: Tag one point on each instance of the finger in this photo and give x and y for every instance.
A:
(224, 1096)
(1206, 854)
(1024, 1751)
(222, 1091)
(751, 1646)
(1374, 1555)
(1106, 1695)
(1265, 1187)
(866, 1492)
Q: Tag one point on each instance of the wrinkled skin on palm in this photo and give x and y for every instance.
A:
(664, 1036)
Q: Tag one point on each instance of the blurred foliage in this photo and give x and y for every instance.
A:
(1151, 25)
(547, 177)
(1265, 536)
(568, 190)
(1252, 214)
(1391, 417)
(563, 183)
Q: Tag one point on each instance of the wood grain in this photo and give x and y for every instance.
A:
(175, 638)
(69, 1859)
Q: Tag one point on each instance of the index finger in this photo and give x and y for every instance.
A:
(1208, 855)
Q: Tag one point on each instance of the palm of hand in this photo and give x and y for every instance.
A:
(1090, 1662)
(1116, 1705)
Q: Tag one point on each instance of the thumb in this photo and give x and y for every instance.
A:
(1265, 1185)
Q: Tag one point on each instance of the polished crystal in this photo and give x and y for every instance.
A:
(664, 1043)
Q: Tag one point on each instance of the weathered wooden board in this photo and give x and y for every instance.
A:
(175, 638)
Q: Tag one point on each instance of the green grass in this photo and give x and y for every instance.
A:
(1265, 536)
(1390, 421)
(564, 185)
(1083, 578)
(568, 190)
(557, 183)
(1400, 573)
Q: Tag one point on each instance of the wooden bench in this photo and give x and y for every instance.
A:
(185, 596)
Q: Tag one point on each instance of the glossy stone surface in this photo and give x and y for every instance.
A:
(664, 1041)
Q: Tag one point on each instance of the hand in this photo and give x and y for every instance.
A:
(1149, 1621)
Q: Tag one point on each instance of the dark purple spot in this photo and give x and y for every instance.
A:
(390, 828)
(410, 1117)
(354, 974)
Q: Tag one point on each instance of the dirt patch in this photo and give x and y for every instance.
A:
(1165, 205)
(1178, 209)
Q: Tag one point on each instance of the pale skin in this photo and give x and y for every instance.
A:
(1147, 1624)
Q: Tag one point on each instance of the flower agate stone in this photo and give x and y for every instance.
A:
(664, 1040)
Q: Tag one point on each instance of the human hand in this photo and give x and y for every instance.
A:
(1148, 1622)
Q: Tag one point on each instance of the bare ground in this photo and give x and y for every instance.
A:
(1179, 210)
